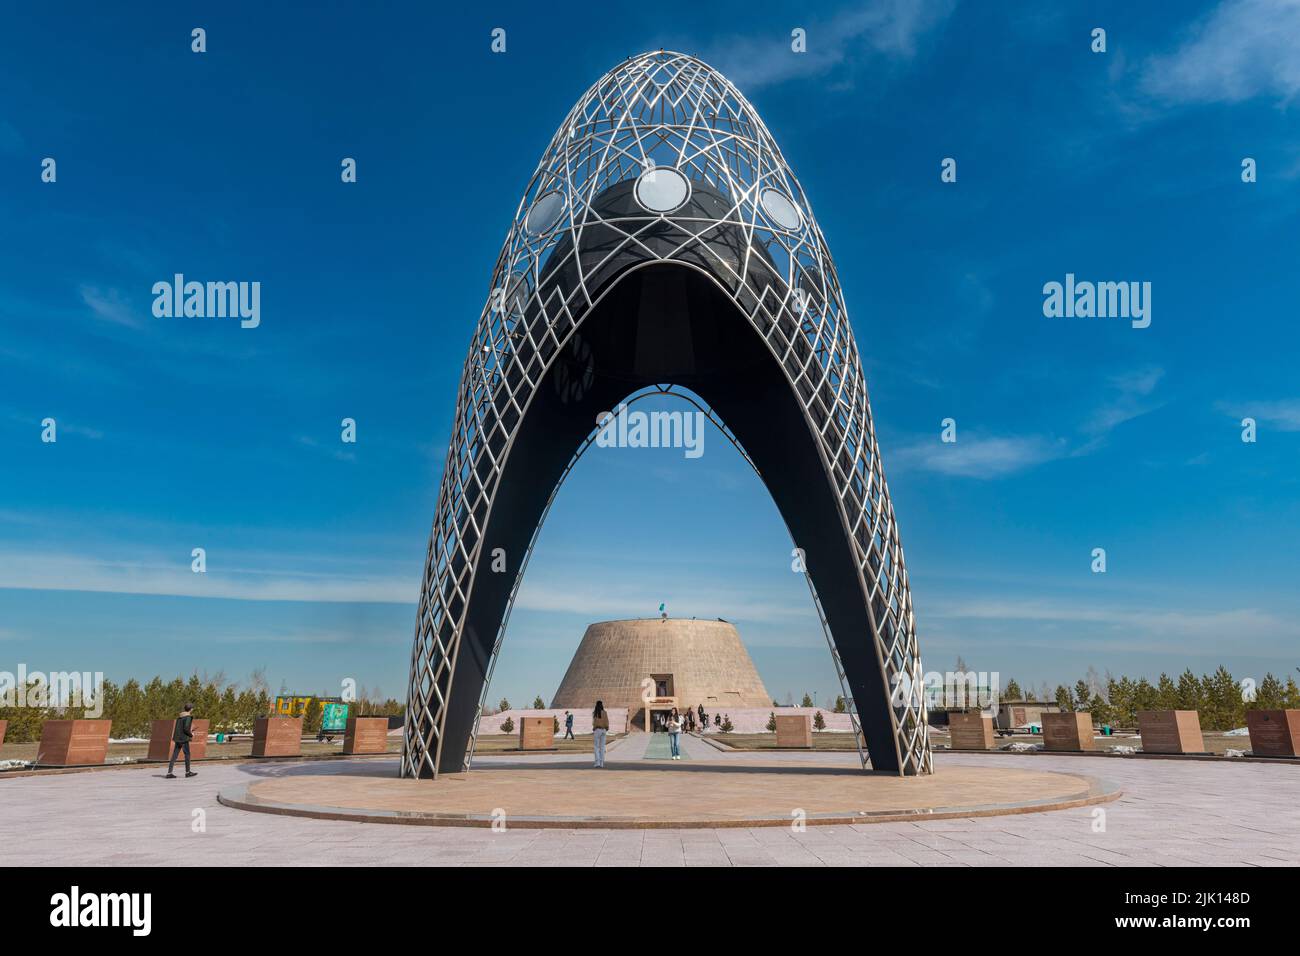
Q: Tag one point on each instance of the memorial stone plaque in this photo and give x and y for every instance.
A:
(73, 743)
(1070, 731)
(970, 731)
(366, 735)
(160, 739)
(537, 733)
(794, 730)
(1274, 733)
(1170, 732)
(277, 737)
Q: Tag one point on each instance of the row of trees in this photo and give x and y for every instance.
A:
(229, 707)
(839, 707)
(1219, 698)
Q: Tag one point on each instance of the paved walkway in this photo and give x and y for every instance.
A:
(659, 747)
(1172, 813)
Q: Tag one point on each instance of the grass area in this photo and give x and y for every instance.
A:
(239, 748)
(118, 753)
(821, 741)
(509, 743)
(1215, 741)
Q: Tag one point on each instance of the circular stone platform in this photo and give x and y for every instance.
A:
(684, 795)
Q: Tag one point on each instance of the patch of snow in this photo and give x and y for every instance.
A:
(1122, 749)
(1234, 753)
(128, 740)
(1238, 732)
(14, 764)
(1021, 747)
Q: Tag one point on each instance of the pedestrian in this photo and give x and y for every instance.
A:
(599, 728)
(675, 734)
(568, 726)
(181, 737)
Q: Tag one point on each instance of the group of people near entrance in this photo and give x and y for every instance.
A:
(676, 724)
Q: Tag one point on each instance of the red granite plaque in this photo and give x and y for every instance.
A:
(537, 733)
(73, 743)
(970, 731)
(794, 730)
(1170, 732)
(1071, 731)
(1274, 733)
(277, 737)
(366, 735)
(160, 739)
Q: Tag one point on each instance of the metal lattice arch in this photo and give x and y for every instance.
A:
(663, 245)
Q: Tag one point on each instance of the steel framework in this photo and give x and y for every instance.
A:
(663, 195)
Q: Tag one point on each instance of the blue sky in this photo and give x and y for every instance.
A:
(1072, 433)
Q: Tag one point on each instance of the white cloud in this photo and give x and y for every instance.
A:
(889, 28)
(1244, 49)
(85, 572)
(706, 599)
(110, 306)
(1234, 623)
(1283, 415)
(975, 456)
(1129, 399)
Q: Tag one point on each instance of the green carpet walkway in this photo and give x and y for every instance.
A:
(660, 748)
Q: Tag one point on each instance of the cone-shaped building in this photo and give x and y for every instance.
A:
(657, 664)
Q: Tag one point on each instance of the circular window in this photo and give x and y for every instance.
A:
(781, 210)
(545, 213)
(662, 189)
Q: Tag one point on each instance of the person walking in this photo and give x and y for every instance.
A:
(182, 734)
(675, 733)
(568, 726)
(599, 728)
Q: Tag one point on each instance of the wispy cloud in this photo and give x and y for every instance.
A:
(888, 28)
(71, 571)
(110, 306)
(1284, 415)
(11, 141)
(34, 421)
(340, 454)
(1177, 624)
(710, 598)
(1128, 395)
(977, 456)
(1244, 49)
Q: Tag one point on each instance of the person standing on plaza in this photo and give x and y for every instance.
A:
(599, 728)
(568, 726)
(182, 734)
(675, 734)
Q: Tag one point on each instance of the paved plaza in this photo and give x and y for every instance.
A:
(635, 789)
(1171, 813)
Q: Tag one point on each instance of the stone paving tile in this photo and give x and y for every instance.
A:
(1173, 814)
